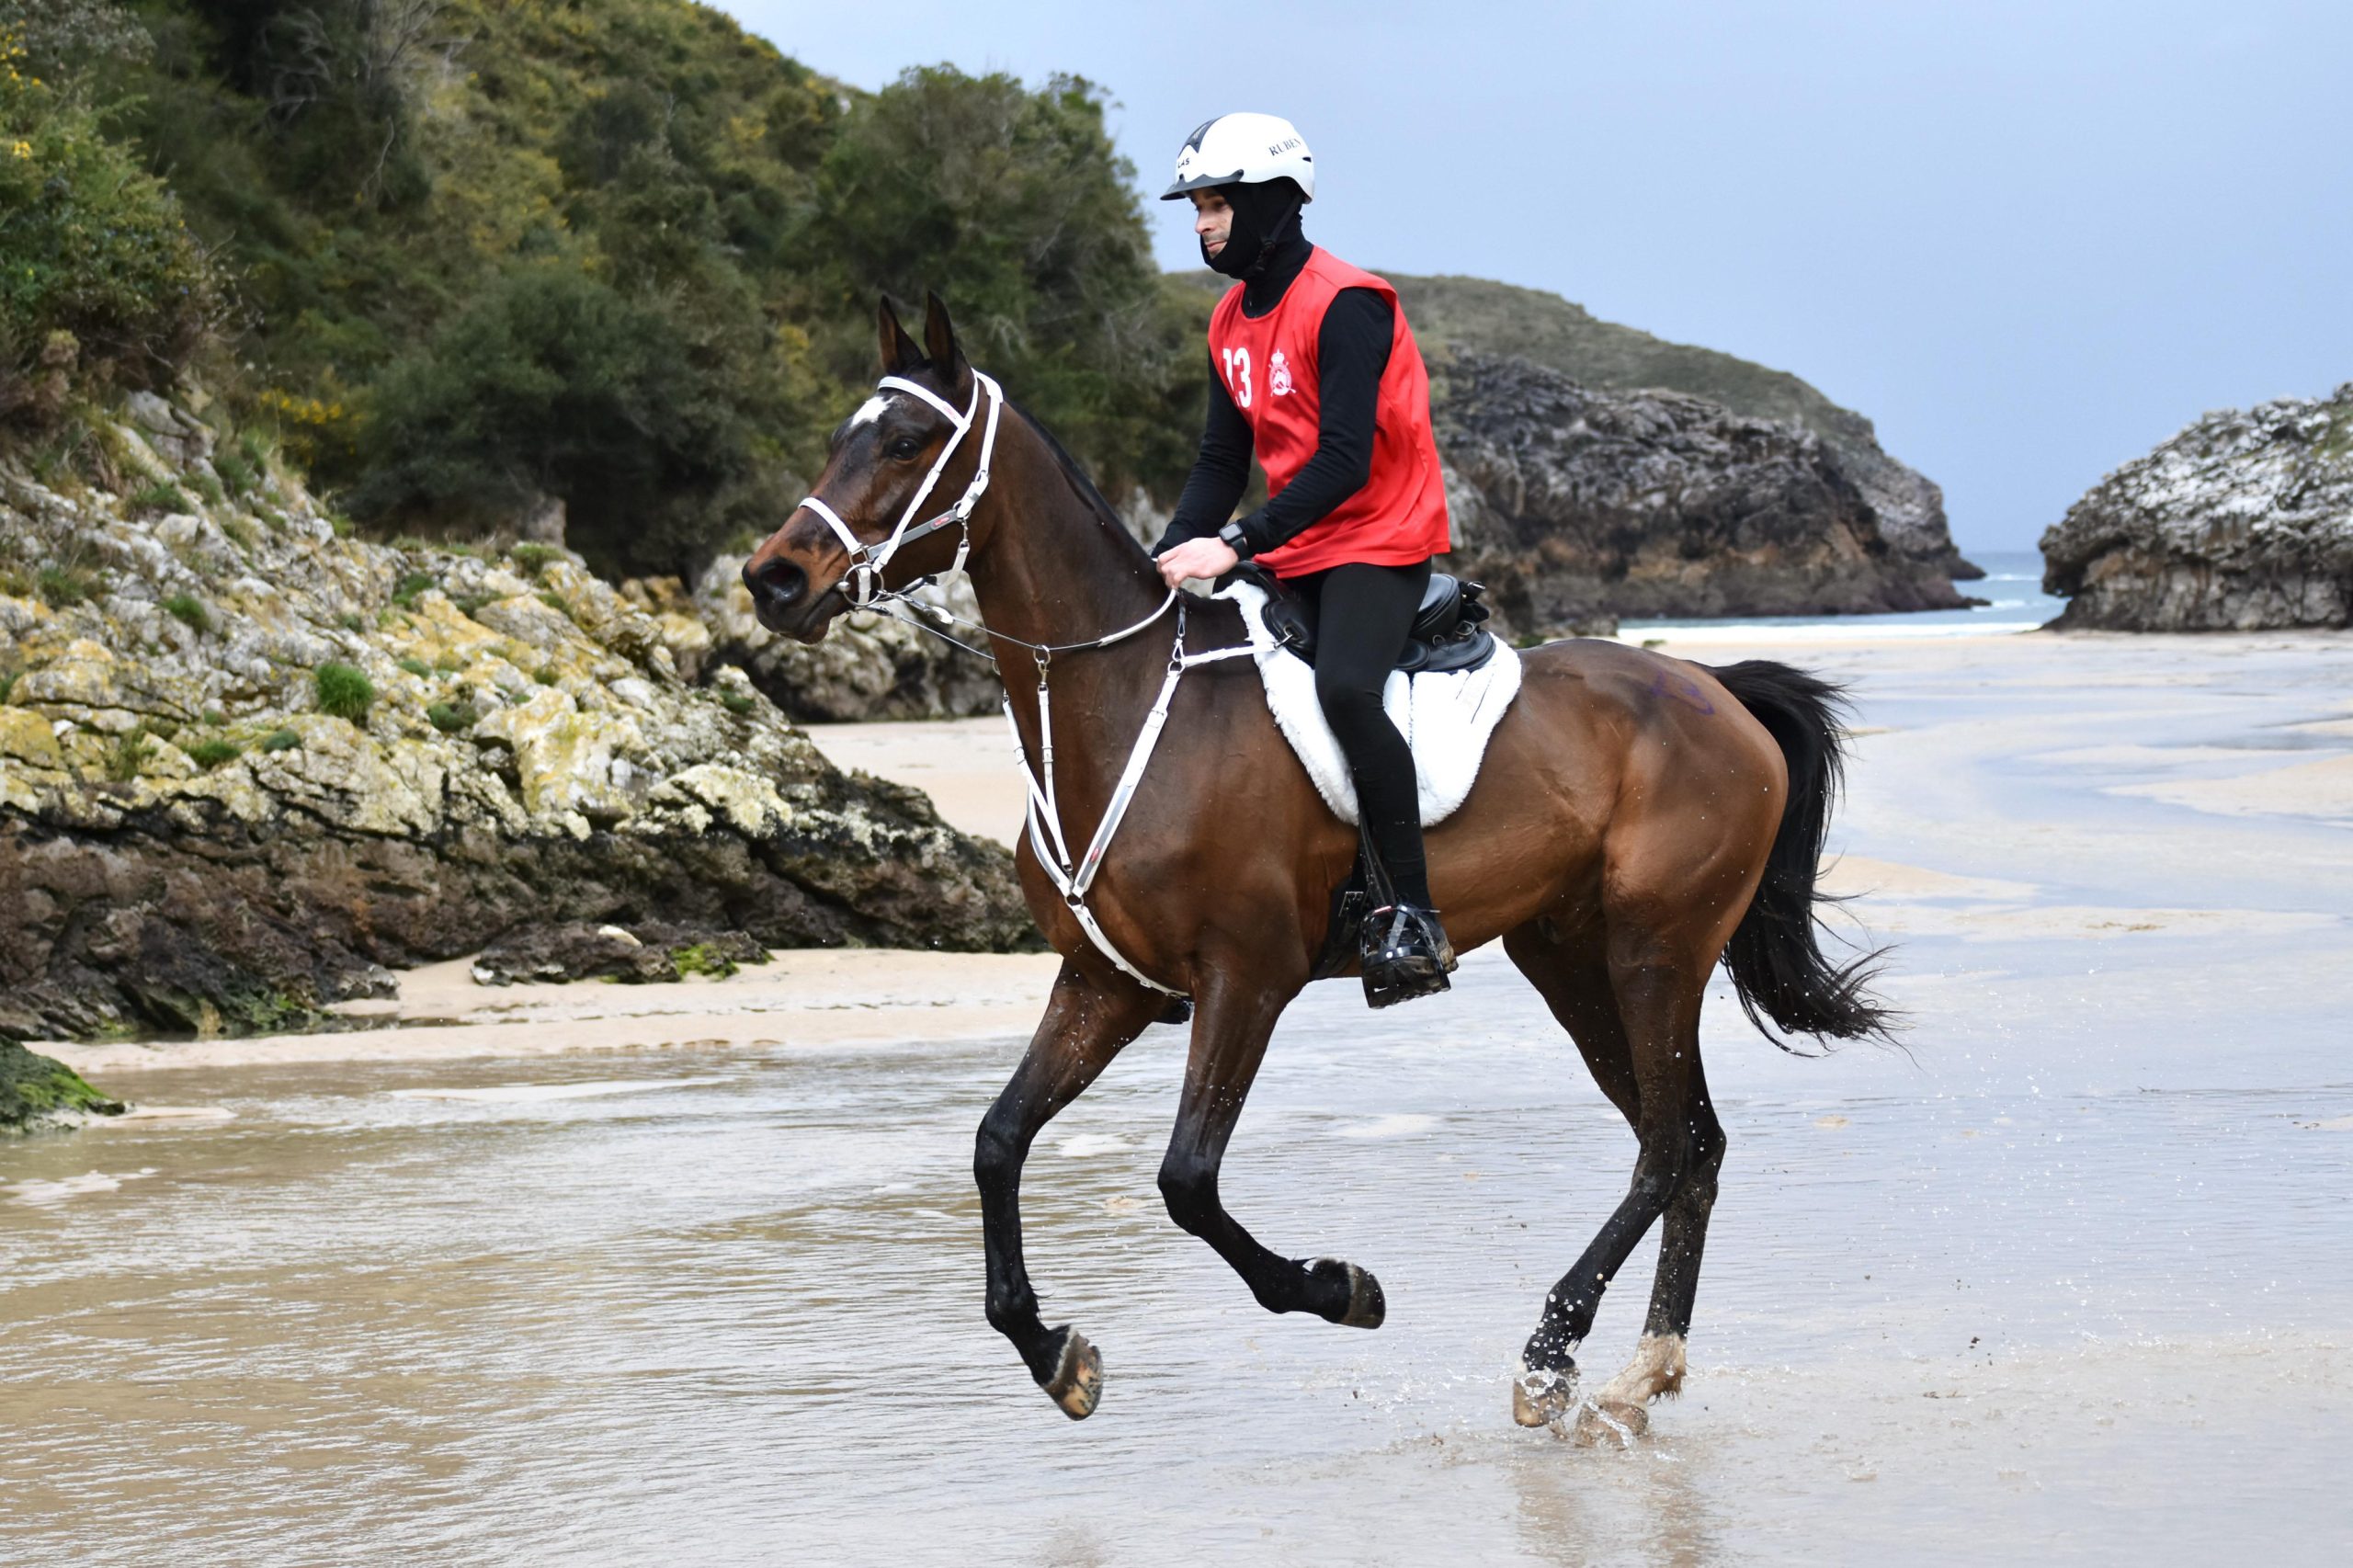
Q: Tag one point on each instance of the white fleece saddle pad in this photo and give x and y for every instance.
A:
(1444, 717)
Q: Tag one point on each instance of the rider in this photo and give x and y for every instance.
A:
(1311, 364)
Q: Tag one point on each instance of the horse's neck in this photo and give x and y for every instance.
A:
(1056, 572)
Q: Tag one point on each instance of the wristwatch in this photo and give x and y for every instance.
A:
(1236, 539)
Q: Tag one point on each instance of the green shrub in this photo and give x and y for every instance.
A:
(451, 663)
(8, 685)
(206, 486)
(416, 667)
(99, 277)
(239, 530)
(552, 381)
(546, 674)
(215, 717)
(410, 584)
(736, 702)
(61, 587)
(189, 611)
(128, 756)
(212, 751)
(239, 477)
(343, 692)
(532, 557)
(450, 718)
(160, 496)
(352, 620)
(280, 740)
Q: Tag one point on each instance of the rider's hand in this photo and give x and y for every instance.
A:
(1198, 558)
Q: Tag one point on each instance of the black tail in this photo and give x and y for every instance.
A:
(1777, 965)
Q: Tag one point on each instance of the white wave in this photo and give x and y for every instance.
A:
(42, 1193)
(1081, 1145)
(1398, 1126)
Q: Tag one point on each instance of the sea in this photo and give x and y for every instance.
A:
(2012, 589)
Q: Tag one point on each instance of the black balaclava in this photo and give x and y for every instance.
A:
(1265, 219)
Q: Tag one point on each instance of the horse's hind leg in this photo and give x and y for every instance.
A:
(1634, 1015)
(1235, 1019)
(1092, 1015)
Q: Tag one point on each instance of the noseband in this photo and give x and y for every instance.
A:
(862, 584)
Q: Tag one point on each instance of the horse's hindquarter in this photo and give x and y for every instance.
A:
(1621, 782)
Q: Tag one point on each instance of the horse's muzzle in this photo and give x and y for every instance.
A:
(781, 600)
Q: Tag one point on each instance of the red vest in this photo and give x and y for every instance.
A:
(1399, 517)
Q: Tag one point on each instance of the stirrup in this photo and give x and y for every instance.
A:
(1405, 954)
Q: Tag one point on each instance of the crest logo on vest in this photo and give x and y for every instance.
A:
(1279, 375)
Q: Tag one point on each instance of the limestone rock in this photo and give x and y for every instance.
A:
(189, 842)
(2243, 520)
(1574, 505)
(1492, 318)
(868, 666)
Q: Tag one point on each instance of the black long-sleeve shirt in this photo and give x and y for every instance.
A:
(1351, 353)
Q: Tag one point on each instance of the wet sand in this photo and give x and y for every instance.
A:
(2071, 1278)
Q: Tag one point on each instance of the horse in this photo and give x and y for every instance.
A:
(1636, 819)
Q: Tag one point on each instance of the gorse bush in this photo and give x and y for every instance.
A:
(99, 277)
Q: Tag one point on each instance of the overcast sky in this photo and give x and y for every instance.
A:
(2029, 240)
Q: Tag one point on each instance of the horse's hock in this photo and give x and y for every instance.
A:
(190, 841)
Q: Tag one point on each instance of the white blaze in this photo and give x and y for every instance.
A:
(870, 411)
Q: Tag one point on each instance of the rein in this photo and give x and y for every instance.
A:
(1070, 878)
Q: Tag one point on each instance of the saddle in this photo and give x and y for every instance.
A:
(1445, 636)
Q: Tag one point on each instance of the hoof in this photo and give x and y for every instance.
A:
(1366, 1305)
(1077, 1382)
(1540, 1396)
(1610, 1421)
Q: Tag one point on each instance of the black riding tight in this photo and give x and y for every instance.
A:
(1362, 616)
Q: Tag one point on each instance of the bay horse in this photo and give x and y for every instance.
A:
(1636, 818)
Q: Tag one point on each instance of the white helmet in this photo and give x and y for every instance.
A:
(1244, 149)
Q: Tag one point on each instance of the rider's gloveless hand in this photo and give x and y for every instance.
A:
(1197, 558)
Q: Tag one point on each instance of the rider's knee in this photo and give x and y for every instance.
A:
(1343, 698)
(1189, 1187)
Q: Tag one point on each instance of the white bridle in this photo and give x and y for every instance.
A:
(862, 584)
(1072, 876)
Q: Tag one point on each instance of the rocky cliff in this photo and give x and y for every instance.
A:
(1499, 319)
(2244, 519)
(247, 765)
(1573, 504)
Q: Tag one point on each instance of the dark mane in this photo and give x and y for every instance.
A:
(1076, 477)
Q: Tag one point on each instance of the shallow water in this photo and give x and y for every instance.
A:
(2070, 1279)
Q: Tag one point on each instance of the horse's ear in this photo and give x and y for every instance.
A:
(939, 340)
(901, 353)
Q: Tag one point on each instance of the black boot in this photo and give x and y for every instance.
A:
(1405, 954)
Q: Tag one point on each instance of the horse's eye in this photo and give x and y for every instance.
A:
(904, 447)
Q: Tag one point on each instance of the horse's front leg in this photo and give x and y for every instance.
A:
(1234, 1020)
(1095, 1011)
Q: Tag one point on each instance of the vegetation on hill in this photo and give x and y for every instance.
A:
(468, 256)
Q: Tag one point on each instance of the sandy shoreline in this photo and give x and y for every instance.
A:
(823, 998)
